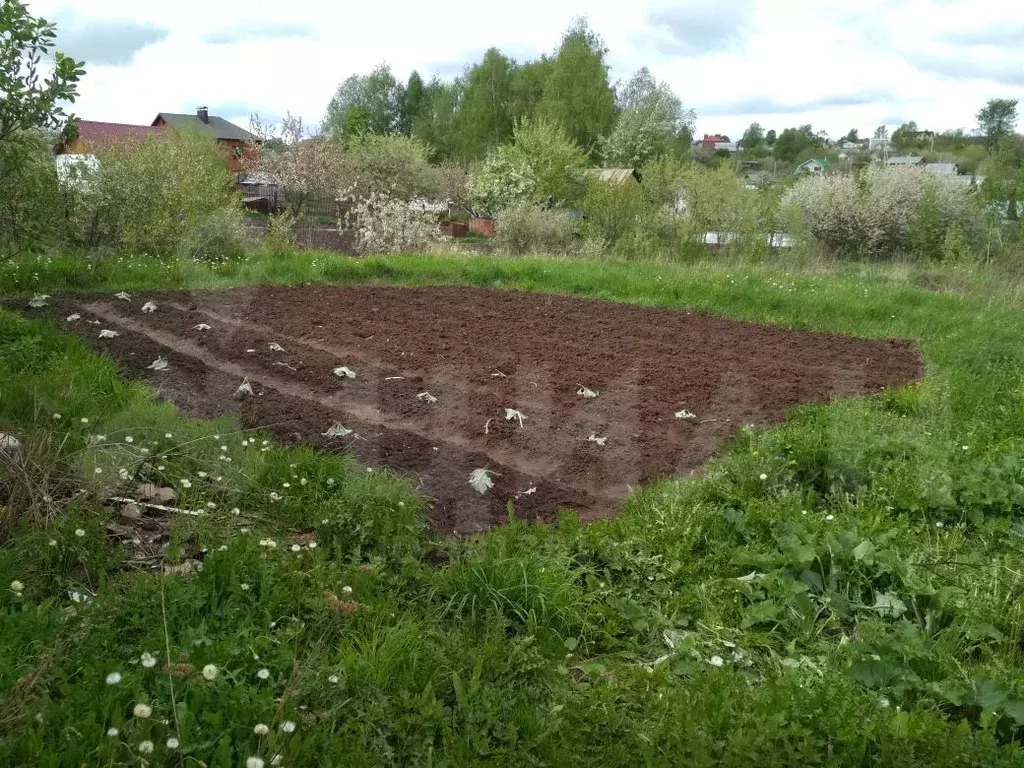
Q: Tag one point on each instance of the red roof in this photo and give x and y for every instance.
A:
(104, 135)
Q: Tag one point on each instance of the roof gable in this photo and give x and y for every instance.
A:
(218, 127)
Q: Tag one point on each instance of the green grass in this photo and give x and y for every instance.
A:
(861, 604)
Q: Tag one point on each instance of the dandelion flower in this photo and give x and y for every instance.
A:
(98, 470)
(17, 586)
(168, 435)
(884, 703)
(312, 545)
(260, 729)
(202, 474)
(113, 678)
(148, 660)
(84, 420)
(939, 524)
(288, 726)
(112, 732)
(172, 743)
(142, 711)
(129, 439)
(346, 590)
(79, 533)
(830, 517)
(296, 547)
(210, 672)
(716, 661)
(53, 542)
(332, 679)
(254, 762)
(146, 747)
(263, 674)
(764, 476)
(185, 483)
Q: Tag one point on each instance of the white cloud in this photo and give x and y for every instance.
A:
(832, 63)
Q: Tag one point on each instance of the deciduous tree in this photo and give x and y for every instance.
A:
(379, 97)
(651, 119)
(577, 94)
(997, 118)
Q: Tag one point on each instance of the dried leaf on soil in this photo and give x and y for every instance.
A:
(275, 347)
(684, 414)
(338, 430)
(107, 334)
(586, 394)
(426, 397)
(201, 327)
(512, 413)
(39, 300)
(74, 317)
(160, 364)
(595, 439)
(343, 371)
(528, 492)
(151, 492)
(123, 296)
(245, 388)
(481, 481)
(149, 307)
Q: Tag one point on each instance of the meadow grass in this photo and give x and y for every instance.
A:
(845, 588)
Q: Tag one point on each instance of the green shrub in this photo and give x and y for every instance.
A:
(31, 202)
(528, 228)
(165, 195)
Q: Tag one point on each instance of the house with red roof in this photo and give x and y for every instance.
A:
(92, 136)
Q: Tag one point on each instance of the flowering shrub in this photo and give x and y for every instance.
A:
(386, 224)
(542, 165)
(883, 212)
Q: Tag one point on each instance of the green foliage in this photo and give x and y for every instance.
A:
(528, 82)
(795, 141)
(398, 166)
(32, 205)
(165, 195)
(28, 104)
(527, 228)
(542, 165)
(753, 137)
(651, 121)
(577, 94)
(380, 102)
(484, 117)
(997, 119)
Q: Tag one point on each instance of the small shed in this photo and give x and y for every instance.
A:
(904, 160)
(261, 191)
(614, 175)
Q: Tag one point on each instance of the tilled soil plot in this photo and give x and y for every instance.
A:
(480, 352)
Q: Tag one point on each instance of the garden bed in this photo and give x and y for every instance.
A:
(670, 385)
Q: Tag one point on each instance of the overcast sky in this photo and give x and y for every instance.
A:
(836, 65)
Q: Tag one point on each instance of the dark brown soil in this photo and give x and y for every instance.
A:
(479, 352)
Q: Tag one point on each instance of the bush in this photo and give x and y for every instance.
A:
(529, 228)
(387, 224)
(884, 212)
(395, 166)
(166, 195)
(31, 202)
(542, 165)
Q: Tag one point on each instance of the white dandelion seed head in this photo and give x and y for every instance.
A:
(172, 743)
(296, 548)
(84, 420)
(263, 674)
(113, 678)
(185, 483)
(210, 672)
(17, 586)
(716, 661)
(261, 729)
(129, 439)
(168, 435)
(146, 747)
(332, 679)
(346, 590)
(79, 533)
(112, 732)
(288, 726)
(254, 762)
(939, 524)
(142, 711)
(830, 517)
(763, 476)
(148, 660)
